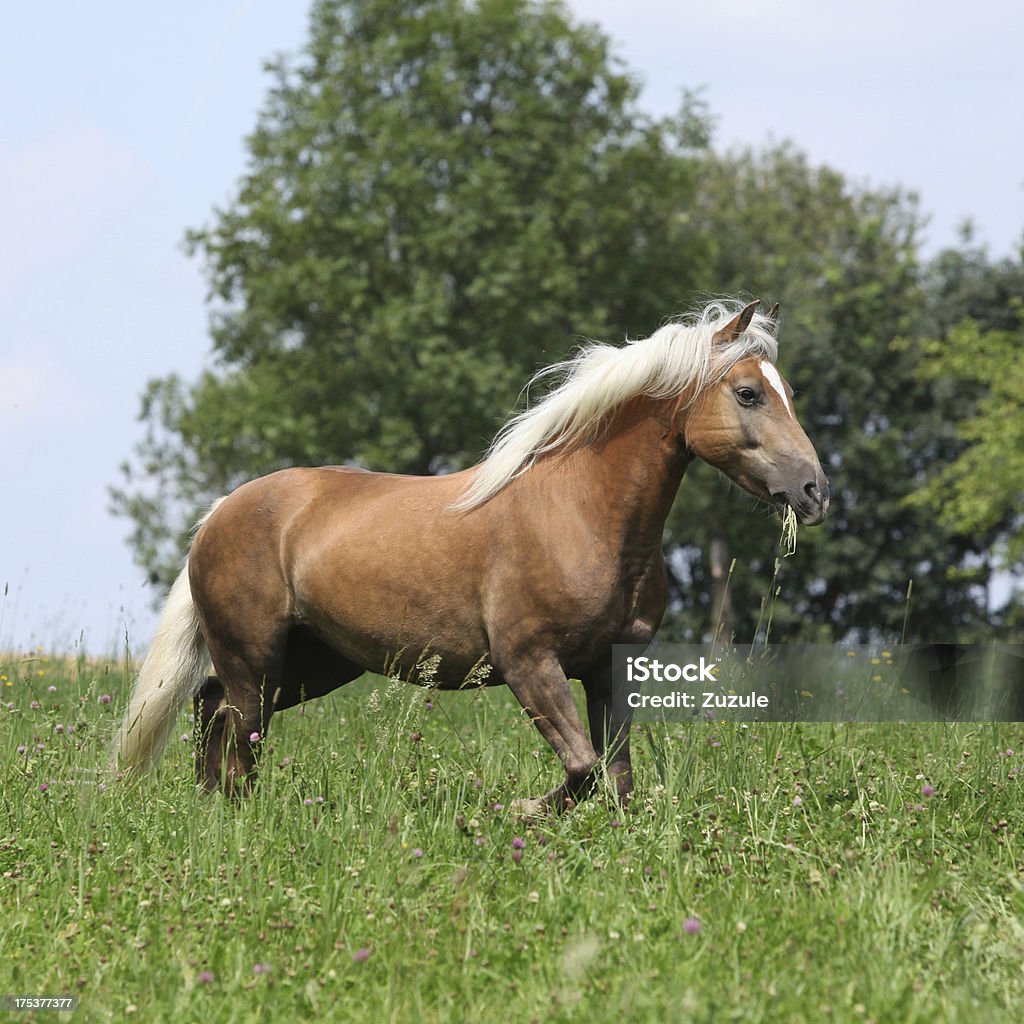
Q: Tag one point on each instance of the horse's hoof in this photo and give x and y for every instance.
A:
(530, 810)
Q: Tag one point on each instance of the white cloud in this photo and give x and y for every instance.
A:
(57, 194)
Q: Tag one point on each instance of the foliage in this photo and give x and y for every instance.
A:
(777, 872)
(983, 488)
(442, 196)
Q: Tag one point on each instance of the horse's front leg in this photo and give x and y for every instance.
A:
(609, 731)
(543, 690)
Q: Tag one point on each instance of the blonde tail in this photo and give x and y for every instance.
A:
(173, 670)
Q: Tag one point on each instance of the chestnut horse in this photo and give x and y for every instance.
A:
(533, 563)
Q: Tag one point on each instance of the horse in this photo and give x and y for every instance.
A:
(531, 564)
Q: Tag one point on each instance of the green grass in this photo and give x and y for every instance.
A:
(863, 900)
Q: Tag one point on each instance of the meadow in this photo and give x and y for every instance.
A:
(784, 872)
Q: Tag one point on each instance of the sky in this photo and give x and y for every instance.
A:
(124, 125)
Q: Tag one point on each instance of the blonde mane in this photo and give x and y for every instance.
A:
(601, 378)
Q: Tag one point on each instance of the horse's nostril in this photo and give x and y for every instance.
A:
(812, 491)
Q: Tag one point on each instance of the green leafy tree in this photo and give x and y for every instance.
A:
(442, 195)
(982, 489)
(843, 263)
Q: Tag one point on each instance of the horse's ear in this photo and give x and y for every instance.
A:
(737, 325)
(773, 315)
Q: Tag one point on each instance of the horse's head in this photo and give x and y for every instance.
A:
(744, 425)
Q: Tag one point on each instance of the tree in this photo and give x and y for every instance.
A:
(843, 263)
(982, 489)
(442, 195)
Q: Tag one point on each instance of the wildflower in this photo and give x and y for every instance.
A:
(204, 977)
(105, 699)
(51, 688)
(429, 706)
(615, 823)
(692, 926)
(517, 855)
(34, 705)
(43, 787)
(518, 843)
(58, 728)
(797, 801)
(499, 807)
(22, 748)
(319, 799)
(261, 968)
(416, 737)
(417, 853)
(927, 790)
(254, 737)
(308, 802)
(360, 956)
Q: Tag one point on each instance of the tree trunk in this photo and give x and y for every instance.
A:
(723, 619)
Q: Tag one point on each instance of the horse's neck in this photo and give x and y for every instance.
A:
(625, 482)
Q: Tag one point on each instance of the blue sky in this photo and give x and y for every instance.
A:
(124, 124)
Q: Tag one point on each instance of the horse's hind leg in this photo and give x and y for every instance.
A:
(234, 708)
(209, 706)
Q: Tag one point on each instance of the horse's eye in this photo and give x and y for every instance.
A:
(746, 396)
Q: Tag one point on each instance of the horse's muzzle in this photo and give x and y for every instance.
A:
(810, 506)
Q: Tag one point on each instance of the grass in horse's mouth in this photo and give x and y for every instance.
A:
(789, 526)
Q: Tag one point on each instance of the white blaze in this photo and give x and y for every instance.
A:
(771, 375)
